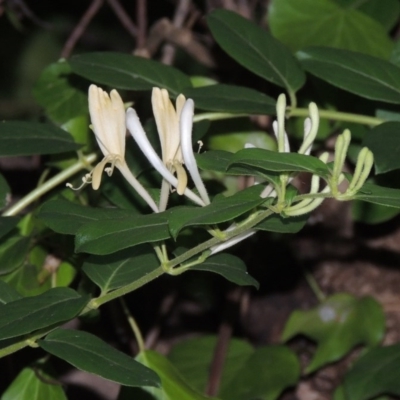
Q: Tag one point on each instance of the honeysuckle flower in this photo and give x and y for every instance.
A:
(107, 114)
(175, 131)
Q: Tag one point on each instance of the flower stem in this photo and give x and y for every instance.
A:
(134, 326)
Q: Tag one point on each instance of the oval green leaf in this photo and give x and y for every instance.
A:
(299, 24)
(89, 353)
(123, 71)
(364, 75)
(255, 49)
(105, 237)
(379, 195)
(277, 223)
(8, 294)
(28, 314)
(7, 224)
(18, 138)
(231, 99)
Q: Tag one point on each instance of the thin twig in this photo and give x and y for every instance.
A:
(141, 20)
(81, 27)
(123, 16)
(222, 345)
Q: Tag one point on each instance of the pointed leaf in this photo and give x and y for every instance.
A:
(119, 269)
(105, 237)
(230, 267)
(8, 294)
(19, 138)
(31, 313)
(5, 192)
(337, 325)
(54, 92)
(325, 23)
(255, 49)
(123, 71)
(173, 386)
(33, 384)
(231, 99)
(382, 140)
(357, 73)
(63, 216)
(379, 195)
(277, 223)
(222, 209)
(267, 160)
(374, 373)
(89, 353)
(7, 224)
(267, 372)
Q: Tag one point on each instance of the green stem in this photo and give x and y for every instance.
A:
(337, 116)
(216, 116)
(134, 326)
(319, 294)
(50, 184)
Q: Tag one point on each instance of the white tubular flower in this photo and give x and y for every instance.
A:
(311, 126)
(171, 148)
(107, 114)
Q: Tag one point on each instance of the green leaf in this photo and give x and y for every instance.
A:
(338, 324)
(231, 99)
(20, 138)
(5, 192)
(357, 73)
(325, 23)
(31, 313)
(235, 141)
(277, 223)
(374, 373)
(8, 294)
(219, 161)
(105, 237)
(13, 252)
(55, 93)
(33, 384)
(230, 267)
(266, 373)
(193, 357)
(379, 195)
(89, 353)
(387, 16)
(279, 162)
(119, 269)
(382, 140)
(255, 49)
(222, 209)
(7, 224)
(123, 71)
(173, 386)
(370, 213)
(63, 216)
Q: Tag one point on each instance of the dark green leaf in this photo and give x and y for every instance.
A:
(89, 353)
(105, 237)
(5, 192)
(357, 73)
(376, 372)
(231, 99)
(370, 213)
(31, 313)
(173, 385)
(119, 269)
(338, 324)
(7, 293)
(276, 223)
(19, 138)
(60, 99)
(33, 384)
(279, 162)
(379, 195)
(230, 267)
(6, 224)
(222, 209)
(123, 71)
(63, 216)
(267, 372)
(383, 140)
(193, 357)
(325, 23)
(256, 49)
(13, 252)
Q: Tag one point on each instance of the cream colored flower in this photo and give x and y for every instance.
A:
(107, 114)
